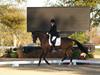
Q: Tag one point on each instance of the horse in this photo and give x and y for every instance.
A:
(66, 46)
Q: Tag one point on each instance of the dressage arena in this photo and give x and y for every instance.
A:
(51, 70)
(29, 66)
(24, 66)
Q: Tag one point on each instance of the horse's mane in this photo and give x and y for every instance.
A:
(42, 35)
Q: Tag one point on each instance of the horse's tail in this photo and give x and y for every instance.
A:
(80, 46)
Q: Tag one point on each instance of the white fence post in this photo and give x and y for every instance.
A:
(15, 65)
(74, 62)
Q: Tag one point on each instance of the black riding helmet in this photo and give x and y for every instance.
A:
(52, 20)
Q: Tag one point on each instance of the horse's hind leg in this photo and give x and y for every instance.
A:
(71, 63)
(63, 58)
(66, 54)
(71, 57)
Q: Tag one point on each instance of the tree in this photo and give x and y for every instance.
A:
(13, 18)
(12, 21)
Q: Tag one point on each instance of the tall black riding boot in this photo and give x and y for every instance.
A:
(53, 47)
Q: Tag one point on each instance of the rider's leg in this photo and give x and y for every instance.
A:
(51, 38)
(53, 44)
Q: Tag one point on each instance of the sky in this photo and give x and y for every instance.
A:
(35, 3)
(39, 3)
(28, 3)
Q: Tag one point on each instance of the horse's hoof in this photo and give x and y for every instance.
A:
(54, 51)
(49, 64)
(70, 64)
(38, 64)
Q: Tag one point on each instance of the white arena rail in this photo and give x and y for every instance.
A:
(52, 61)
(19, 62)
(86, 62)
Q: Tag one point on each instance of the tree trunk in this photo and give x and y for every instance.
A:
(15, 40)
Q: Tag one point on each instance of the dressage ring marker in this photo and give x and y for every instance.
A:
(58, 61)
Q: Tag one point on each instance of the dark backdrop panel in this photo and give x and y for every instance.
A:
(68, 19)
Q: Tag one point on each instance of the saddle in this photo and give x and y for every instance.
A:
(57, 42)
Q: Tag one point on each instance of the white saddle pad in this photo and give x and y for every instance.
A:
(58, 41)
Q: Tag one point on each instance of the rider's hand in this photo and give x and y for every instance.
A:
(47, 33)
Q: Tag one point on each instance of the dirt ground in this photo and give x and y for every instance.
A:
(96, 56)
(51, 70)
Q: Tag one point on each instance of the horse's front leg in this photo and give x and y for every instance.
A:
(44, 57)
(40, 58)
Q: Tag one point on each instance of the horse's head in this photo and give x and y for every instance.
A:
(41, 35)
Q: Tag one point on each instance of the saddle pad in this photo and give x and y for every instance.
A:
(58, 41)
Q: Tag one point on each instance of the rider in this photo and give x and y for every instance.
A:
(53, 32)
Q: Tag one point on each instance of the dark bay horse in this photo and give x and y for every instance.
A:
(66, 46)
